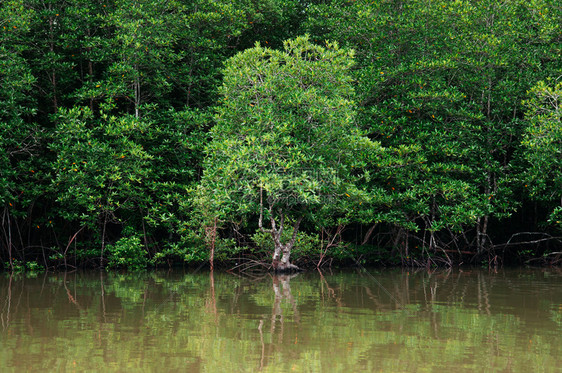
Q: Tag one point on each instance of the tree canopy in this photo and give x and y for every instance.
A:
(285, 140)
(141, 132)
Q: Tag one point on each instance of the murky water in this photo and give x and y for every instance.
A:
(389, 321)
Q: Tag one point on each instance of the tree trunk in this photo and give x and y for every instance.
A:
(282, 253)
(283, 264)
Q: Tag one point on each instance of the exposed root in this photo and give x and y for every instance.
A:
(251, 265)
(279, 267)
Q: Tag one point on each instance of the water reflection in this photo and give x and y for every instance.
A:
(7, 305)
(343, 321)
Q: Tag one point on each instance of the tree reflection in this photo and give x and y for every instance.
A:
(6, 307)
(281, 284)
(311, 321)
(211, 302)
(282, 290)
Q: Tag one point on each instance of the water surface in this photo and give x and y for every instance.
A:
(368, 320)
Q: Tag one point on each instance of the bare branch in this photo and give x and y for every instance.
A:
(260, 220)
(295, 231)
(509, 243)
(281, 222)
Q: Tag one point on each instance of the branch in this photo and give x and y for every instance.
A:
(274, 232)
(508, 243)
(295, 231)
(368, 234)
(260, 221)
(281, 222)
(72, 239)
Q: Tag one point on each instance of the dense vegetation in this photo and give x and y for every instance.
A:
(141, 132)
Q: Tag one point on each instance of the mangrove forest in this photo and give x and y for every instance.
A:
(280, 134)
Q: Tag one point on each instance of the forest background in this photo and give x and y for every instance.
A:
(123, 123)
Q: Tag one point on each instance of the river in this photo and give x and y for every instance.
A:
(369, 320)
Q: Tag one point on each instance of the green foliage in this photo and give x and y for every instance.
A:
(128, 252)
(440, 123)
(17, 138)
(542, 144)
(440, 84)
(18, 266)
(555, 217)
(285, 135)
(100, 166)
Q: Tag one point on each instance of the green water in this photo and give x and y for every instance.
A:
(388, 321)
